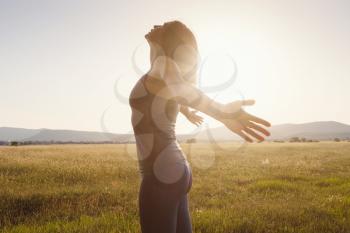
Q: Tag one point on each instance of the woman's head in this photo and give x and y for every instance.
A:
(173, 39)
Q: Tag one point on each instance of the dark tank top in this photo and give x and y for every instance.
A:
(153, 120)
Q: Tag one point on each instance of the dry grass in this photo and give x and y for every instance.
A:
(257, 188)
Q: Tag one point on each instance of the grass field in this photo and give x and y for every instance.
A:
(267, 187)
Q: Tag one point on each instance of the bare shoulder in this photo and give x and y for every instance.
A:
(164, 72)
(153, 83)
(164, 67)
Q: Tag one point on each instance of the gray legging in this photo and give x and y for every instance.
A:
(164, 207)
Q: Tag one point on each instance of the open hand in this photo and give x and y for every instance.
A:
(194, 118)
(243, 123)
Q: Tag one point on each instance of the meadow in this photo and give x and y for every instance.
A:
(265, 187)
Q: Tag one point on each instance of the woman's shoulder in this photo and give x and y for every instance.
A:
(152, 83)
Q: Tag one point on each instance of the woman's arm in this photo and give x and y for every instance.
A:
(166, 81)
(184, 110)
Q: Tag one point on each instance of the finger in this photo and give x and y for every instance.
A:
(254, 134)
(198, 118)
(194, 121)
(258, 120)
(258, 128)
(236, 105)
(248, 102)
(244, 136)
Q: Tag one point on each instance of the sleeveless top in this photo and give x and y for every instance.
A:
(153, 119)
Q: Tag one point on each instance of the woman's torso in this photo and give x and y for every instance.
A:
(153, 120)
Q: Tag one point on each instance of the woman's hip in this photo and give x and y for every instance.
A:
(176, 179)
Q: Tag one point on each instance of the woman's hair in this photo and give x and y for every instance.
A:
(179, 43)
(176, 34)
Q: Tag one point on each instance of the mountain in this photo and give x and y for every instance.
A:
(9, 134)
(20, 134)
(324, 130)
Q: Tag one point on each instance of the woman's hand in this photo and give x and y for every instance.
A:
(243, 123)
(194, 118)
(191, 115)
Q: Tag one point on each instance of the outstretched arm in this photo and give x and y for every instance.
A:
(168, 83)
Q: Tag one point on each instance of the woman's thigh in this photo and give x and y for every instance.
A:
(183, 215)
(161, 206)
(158, 209)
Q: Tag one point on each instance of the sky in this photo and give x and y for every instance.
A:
(64, 63)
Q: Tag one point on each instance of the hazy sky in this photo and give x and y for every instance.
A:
(59, 60)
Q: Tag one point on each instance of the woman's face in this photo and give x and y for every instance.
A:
(155, 34)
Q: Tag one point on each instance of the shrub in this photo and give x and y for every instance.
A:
(14, 143)
(294, 139)
(191, 140)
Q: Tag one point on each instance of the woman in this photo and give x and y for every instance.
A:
(156, 99)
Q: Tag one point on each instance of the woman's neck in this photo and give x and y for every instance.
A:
(157, 66)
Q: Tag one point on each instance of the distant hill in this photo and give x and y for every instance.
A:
(20, 134)
(324, 130)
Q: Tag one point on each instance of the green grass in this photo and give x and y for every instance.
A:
(266, 187)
